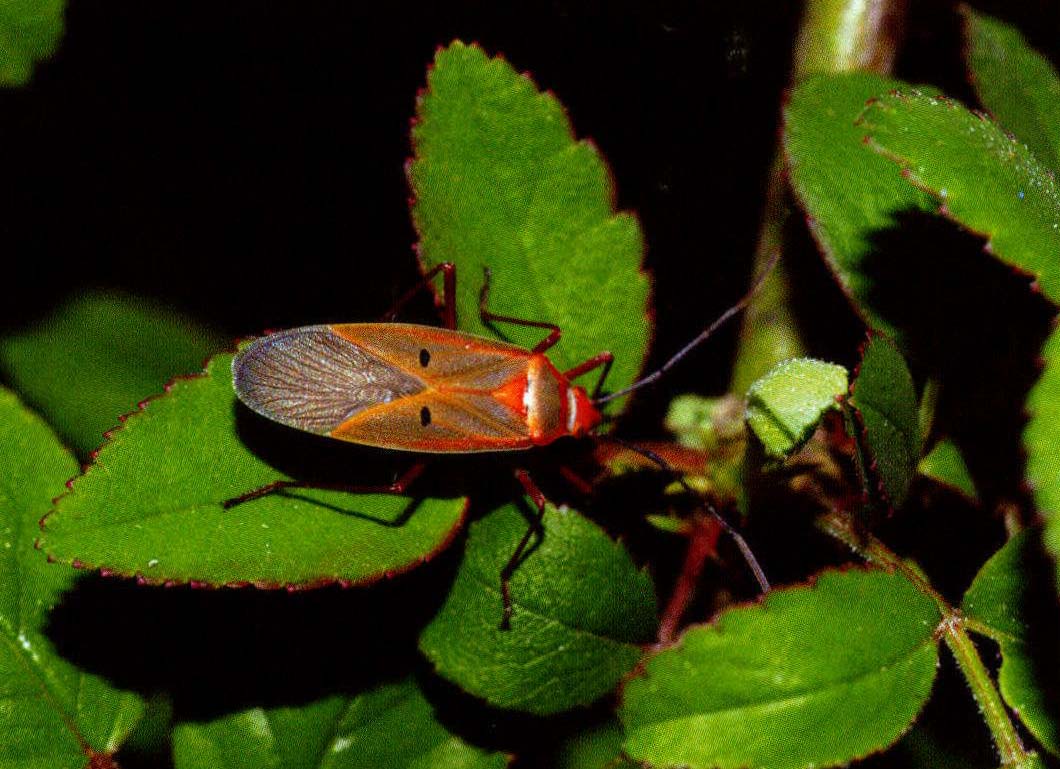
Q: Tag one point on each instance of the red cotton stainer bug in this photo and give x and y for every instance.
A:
(435, 390)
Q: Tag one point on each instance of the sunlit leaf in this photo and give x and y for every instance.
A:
(785, 406)
(1009, 598)
(814, 676)
(54, 715)
(151, 505)
(580, 609)
(390, 727)
(501, 182)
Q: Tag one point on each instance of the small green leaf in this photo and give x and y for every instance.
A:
(814, 676)
(884, 401)
(1016, 83)
(29, 32)
(580, 609)
(1007, 596)
(850, 195)
(945, 464)
(151, 506)
(55, 716)
(985, 180)
(390, 727)
(97, 356)
(597, 747)
(705, 423)
(501, 182)
(785, 406)
(1041, 437)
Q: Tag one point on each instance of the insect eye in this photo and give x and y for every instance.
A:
(425, 358)
(425, 416)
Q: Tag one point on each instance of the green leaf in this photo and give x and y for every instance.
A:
(55, 716)
(97, 356)
(390, 727)
(884, 401)
(596, 747)
(785, 406)
(705, 423)
(501, 182)
(945, 464)
(850, 195)
(29, 32)
(1016, 83)
(580, 608)
(1041, 437)
(1008, 597)
(985, 180)
(813, 676)
(151, 506)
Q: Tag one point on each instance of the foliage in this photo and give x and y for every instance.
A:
(600, 665)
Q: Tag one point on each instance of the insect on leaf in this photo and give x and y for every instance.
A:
(151, 505)
(500, 182)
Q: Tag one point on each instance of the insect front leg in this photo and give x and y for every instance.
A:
(488, 317)
(397, 487)
(605, 359)
(535, 527)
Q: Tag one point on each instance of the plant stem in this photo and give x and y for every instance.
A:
(953, 629)
(1009, 746)
(702, 541)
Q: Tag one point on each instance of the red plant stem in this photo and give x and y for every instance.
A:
(702, 543)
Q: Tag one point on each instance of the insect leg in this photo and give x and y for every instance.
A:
(448, 294)
(604, 359)
(535, 527)
(397, 487)
(741, 543)
(488, 317)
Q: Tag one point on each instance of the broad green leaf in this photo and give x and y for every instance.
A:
(390, 727)
(29, 32)
(982, 177)
(1008, 597)
(97, 356)
(1041, 438)
(151, 506)
(849, 194)
(945, 464)
(785, 406)
(501, 182)
(884, 401)
(596, 747)
(580, 609)
(54, 715)
(1016, 83)
(814, 676)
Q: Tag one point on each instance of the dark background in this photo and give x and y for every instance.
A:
(243, 161)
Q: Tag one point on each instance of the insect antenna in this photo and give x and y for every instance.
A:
(741, 543)
(703, 336)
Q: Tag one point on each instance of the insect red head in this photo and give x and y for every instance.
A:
(584, 415)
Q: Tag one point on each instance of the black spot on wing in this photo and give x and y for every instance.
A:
(313, 379)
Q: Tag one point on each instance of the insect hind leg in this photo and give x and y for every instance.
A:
(535, 527)
(397, 487)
